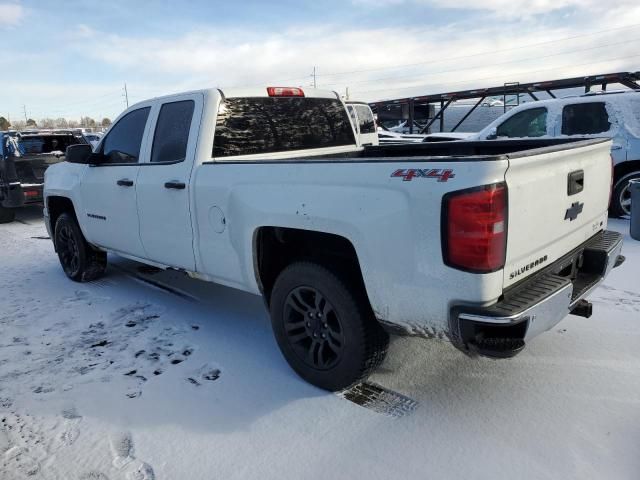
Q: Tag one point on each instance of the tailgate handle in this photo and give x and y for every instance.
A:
(575, 183)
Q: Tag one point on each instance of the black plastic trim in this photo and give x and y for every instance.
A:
(135, 164)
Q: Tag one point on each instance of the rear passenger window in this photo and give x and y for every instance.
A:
(122, 144)
(248, 126)
(585, 119)
(365, 119)
(528, 123)
(172, 132)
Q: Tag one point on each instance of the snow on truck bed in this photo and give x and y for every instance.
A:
(147, 374)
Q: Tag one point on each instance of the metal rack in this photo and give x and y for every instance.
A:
(408, 106)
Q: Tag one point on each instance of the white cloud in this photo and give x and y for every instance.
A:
(388, 62)
(506, 8)
(228, 58)
(11, 14)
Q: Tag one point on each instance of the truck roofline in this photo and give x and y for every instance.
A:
(309, 92)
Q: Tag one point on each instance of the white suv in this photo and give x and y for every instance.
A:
(603, 114)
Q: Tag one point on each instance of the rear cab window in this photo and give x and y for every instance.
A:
(261, 125)
(585, 119)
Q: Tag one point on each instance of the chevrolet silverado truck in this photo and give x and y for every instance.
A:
(485, 244)
(23, 161)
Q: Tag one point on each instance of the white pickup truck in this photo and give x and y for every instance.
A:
(486, 244)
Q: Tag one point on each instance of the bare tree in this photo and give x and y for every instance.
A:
(87, 122)
(47, 123)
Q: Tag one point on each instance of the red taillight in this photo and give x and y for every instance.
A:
(285, 92)
(475, 228)
(30, 193)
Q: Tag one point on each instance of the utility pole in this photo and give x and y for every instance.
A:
(314, 77)
(126, 95)
(24, 108)
(347, 93)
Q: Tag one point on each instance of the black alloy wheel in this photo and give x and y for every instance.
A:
(324, 324)
(80, 261)
(313, 328)
(68, 250)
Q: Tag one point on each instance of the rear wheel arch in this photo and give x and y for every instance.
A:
(274, 248)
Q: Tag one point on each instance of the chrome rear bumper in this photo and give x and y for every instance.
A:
(537, 303)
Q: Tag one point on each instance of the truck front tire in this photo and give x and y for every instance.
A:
(7, 215)
(80, 262)
(325, 330)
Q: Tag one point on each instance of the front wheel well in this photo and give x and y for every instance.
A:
(277, 247)
(56, 206)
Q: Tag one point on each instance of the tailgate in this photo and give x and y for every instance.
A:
(31, 168)
(558, 199)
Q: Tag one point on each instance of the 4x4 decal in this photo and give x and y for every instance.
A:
(408, 174)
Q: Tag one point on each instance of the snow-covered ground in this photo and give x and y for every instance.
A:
(125, 379)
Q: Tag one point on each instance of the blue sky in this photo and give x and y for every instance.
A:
(72, 58)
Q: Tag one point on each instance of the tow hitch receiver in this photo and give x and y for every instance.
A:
(583, 308)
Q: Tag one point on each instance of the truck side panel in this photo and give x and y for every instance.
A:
(393, 223)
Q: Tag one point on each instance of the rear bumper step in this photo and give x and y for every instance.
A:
(539, 302)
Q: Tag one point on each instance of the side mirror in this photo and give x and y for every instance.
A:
(493, 134)
(79, 153)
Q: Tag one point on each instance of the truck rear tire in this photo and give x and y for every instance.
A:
(7, 215)
(621, 196)
(325, 329)
(79, 260)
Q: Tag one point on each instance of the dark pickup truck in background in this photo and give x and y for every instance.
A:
(24, 157)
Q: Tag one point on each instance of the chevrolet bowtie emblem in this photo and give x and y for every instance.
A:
(573, 211)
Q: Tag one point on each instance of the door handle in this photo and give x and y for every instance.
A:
(175, 185)
(125, 182)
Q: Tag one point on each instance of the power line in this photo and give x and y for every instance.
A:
(441, 60)
(568, 52)
(487, 52)
(494, 77)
